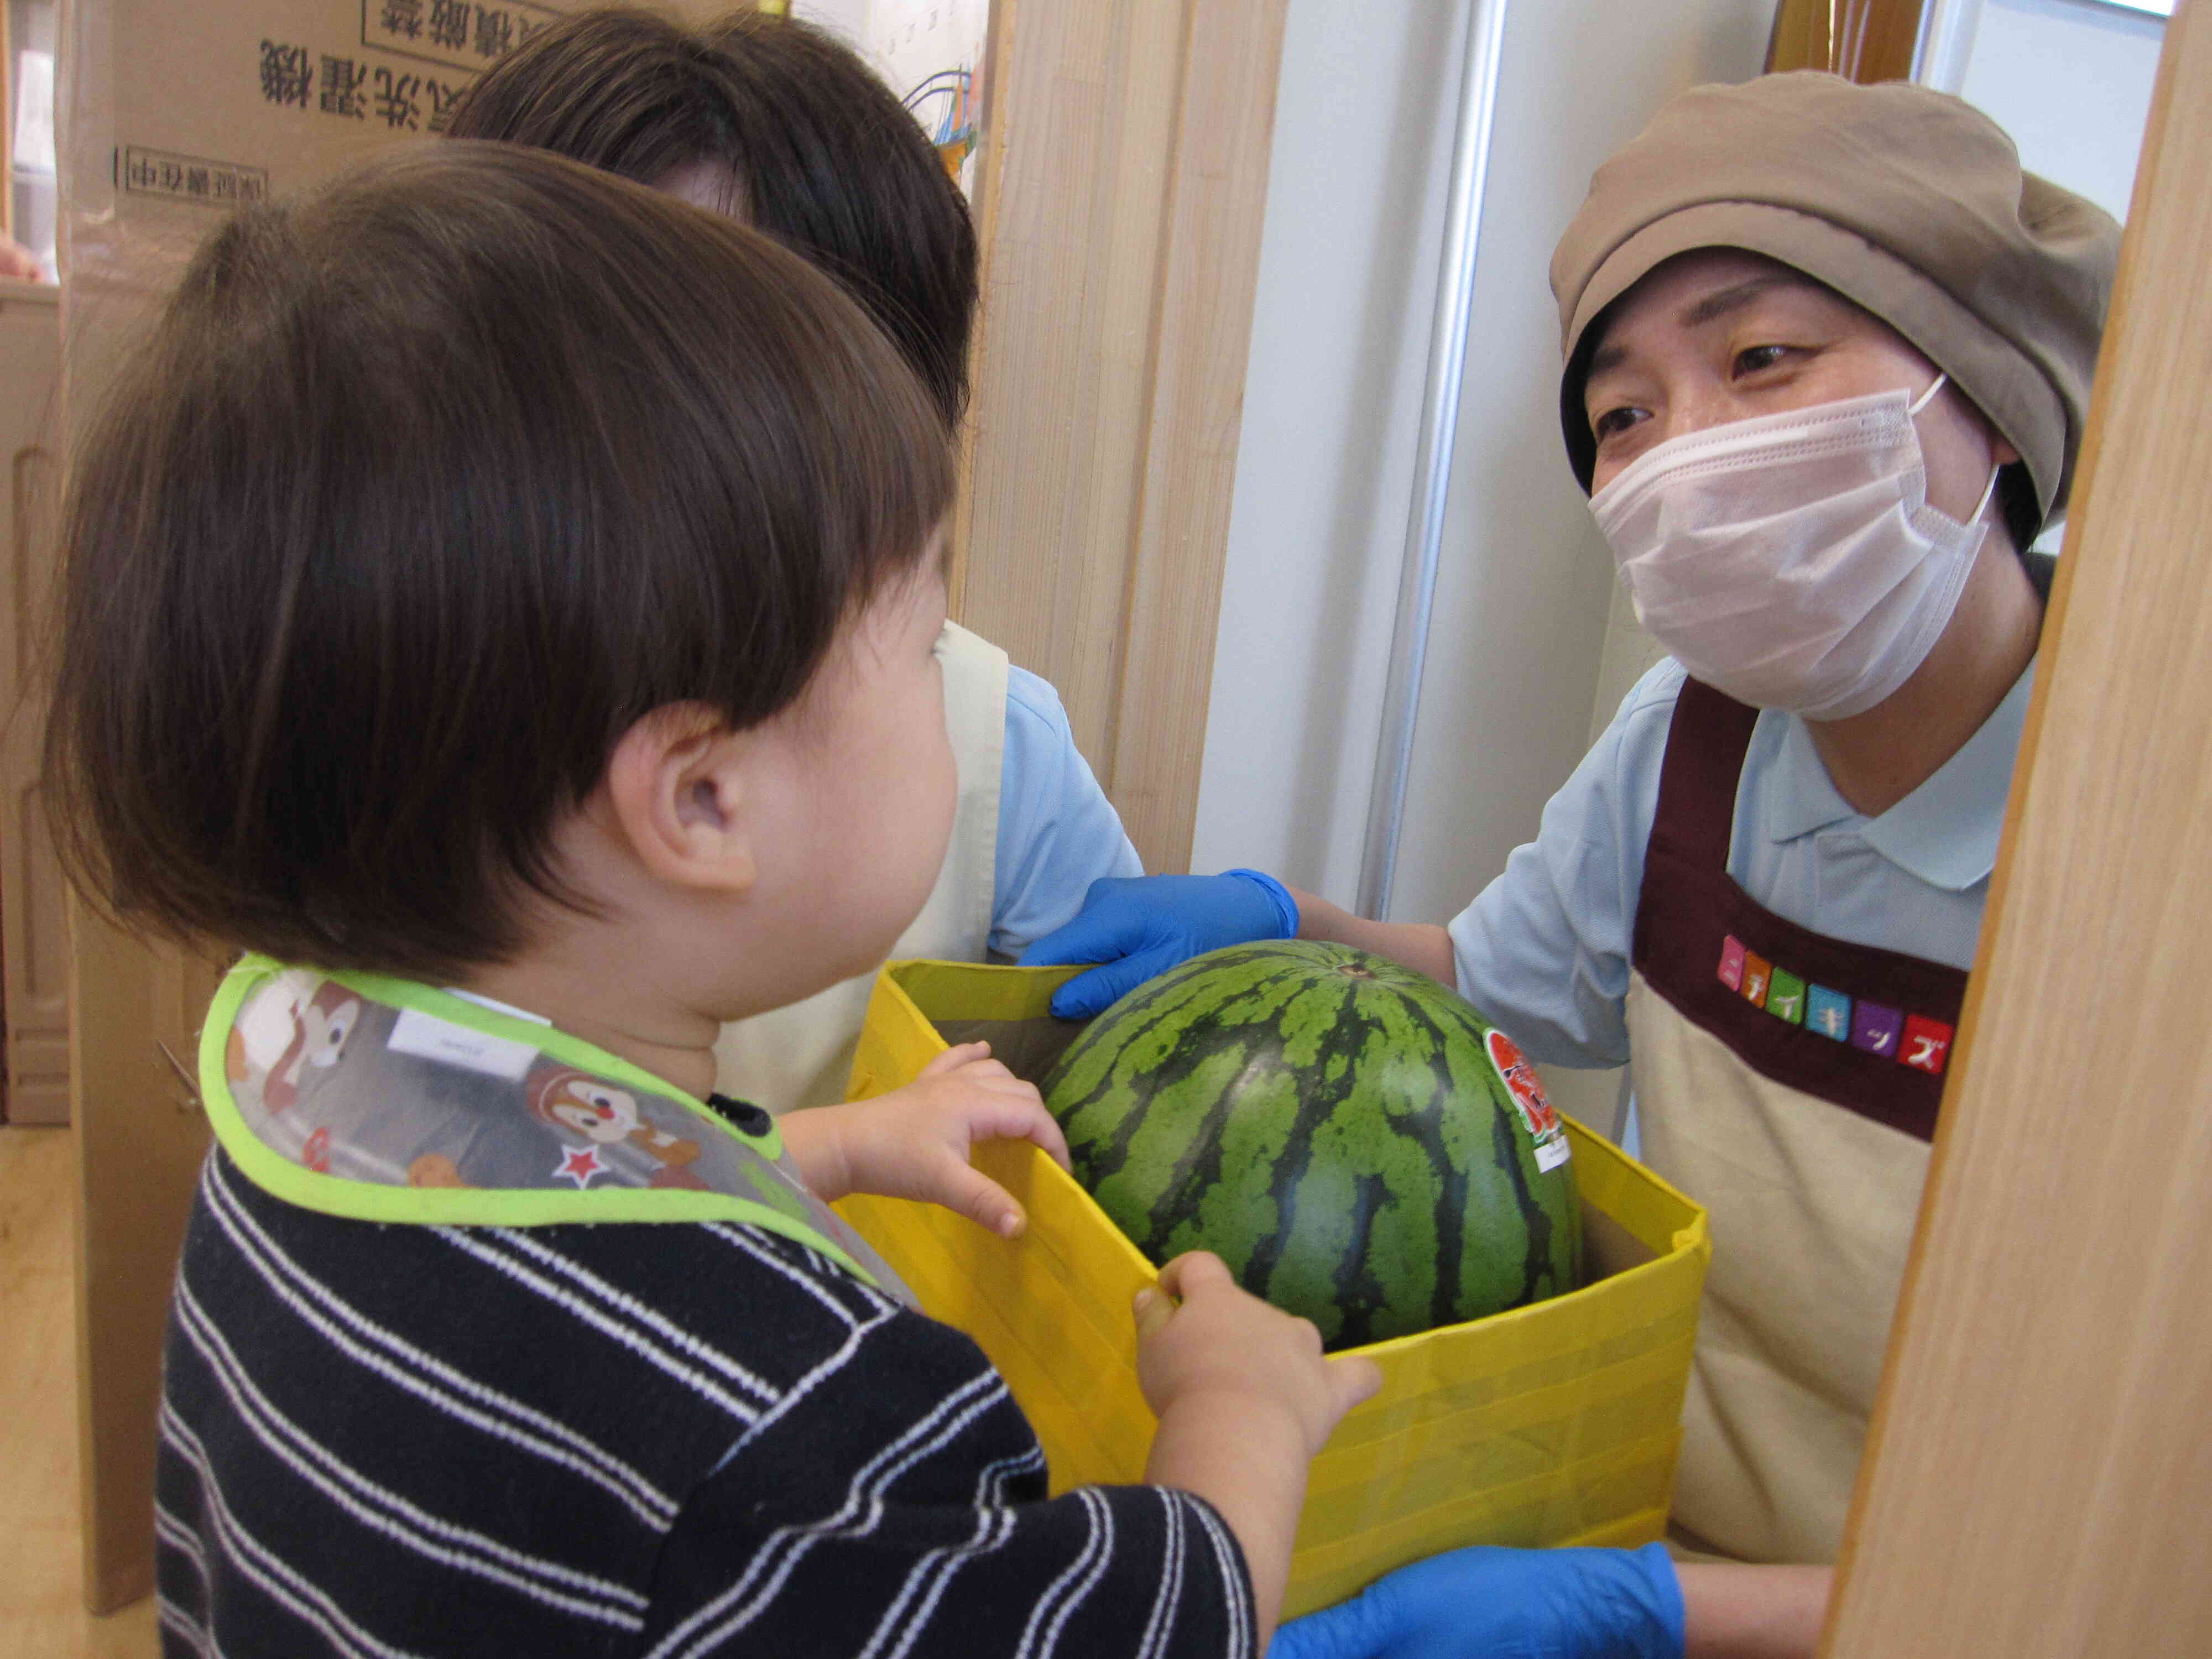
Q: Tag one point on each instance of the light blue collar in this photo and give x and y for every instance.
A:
(1945, 832)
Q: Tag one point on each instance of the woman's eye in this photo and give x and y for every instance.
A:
(1753, 359)
(1613, 421)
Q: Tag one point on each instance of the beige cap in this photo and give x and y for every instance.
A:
(1909, 202)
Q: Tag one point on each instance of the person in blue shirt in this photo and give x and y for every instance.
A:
(1827, 350)
(781, 124)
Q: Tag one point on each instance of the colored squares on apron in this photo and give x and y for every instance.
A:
(1910, 1039)
(1757, 971)
(1875, 1028)
(1732, 963)
(1828, 1012)
(1927, 1042)
(1785, 996)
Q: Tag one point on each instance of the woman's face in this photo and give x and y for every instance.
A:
(1720, 335)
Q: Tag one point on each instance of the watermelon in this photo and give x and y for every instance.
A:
(1357, 1143)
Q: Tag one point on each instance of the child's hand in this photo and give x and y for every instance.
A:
(1224, 1342)
(914, 1142)
(1245, 1399)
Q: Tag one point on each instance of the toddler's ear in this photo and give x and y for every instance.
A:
(676, 781)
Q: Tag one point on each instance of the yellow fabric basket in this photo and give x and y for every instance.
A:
(1556, 1423)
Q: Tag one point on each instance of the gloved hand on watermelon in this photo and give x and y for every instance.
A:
(1139, 927)
(1485, 1603)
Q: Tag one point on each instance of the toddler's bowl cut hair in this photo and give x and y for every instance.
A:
(423, 490)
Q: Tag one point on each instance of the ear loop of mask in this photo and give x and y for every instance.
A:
(1989, 488)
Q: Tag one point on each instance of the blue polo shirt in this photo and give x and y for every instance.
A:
(1057, 832)
(1544, 950)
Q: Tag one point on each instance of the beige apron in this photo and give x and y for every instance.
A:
(1788, 1082)
(801, 1055)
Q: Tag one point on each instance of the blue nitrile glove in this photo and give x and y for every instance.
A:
(1140, 926)
(1485, 1603)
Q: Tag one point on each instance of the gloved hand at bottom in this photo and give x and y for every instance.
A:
(1485, 1603)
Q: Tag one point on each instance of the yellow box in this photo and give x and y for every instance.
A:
(1555, 1424)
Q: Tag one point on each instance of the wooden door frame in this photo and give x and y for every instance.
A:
(2034, 1477)
(1122, 186)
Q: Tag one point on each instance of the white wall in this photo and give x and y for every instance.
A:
(1332, 403)
(909, 42)
(1348, 260)
(848, 18)
(2071, 81)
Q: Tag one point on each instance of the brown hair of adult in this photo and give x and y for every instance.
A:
(818, 151)
(422, 492)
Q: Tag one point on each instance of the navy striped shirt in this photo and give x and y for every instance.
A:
(652, 1439)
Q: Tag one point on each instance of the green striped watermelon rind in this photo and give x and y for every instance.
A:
(1366, 1249)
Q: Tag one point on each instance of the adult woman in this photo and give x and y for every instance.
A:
(1827, 352)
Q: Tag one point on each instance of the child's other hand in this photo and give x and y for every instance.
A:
(1244, 1399)
(1224, 1344)
(915, 1142)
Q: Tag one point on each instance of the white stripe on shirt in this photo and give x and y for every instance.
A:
(1170, 1596)
(925, 1584)
(1235, 1589)
(739, 1239)
(386, 1512)
(855, 1517)
(300, 1595)
(1066, 1593)
(616, 1302)
(431, 1380)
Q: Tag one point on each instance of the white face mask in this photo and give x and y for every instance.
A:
(1792, 561)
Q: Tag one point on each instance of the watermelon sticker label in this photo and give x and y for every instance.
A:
(1526, 1091)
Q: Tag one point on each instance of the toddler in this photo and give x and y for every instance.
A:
(504, 598)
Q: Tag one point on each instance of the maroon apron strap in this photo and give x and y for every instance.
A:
(1705, 746)
(1864, 1028)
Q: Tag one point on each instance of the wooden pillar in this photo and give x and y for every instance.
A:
(2035, 1482)
(1866, 40)
(1123, 183)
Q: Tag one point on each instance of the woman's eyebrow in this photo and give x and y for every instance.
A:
(1717, 304)
(1603, 358)
(1737, 295)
